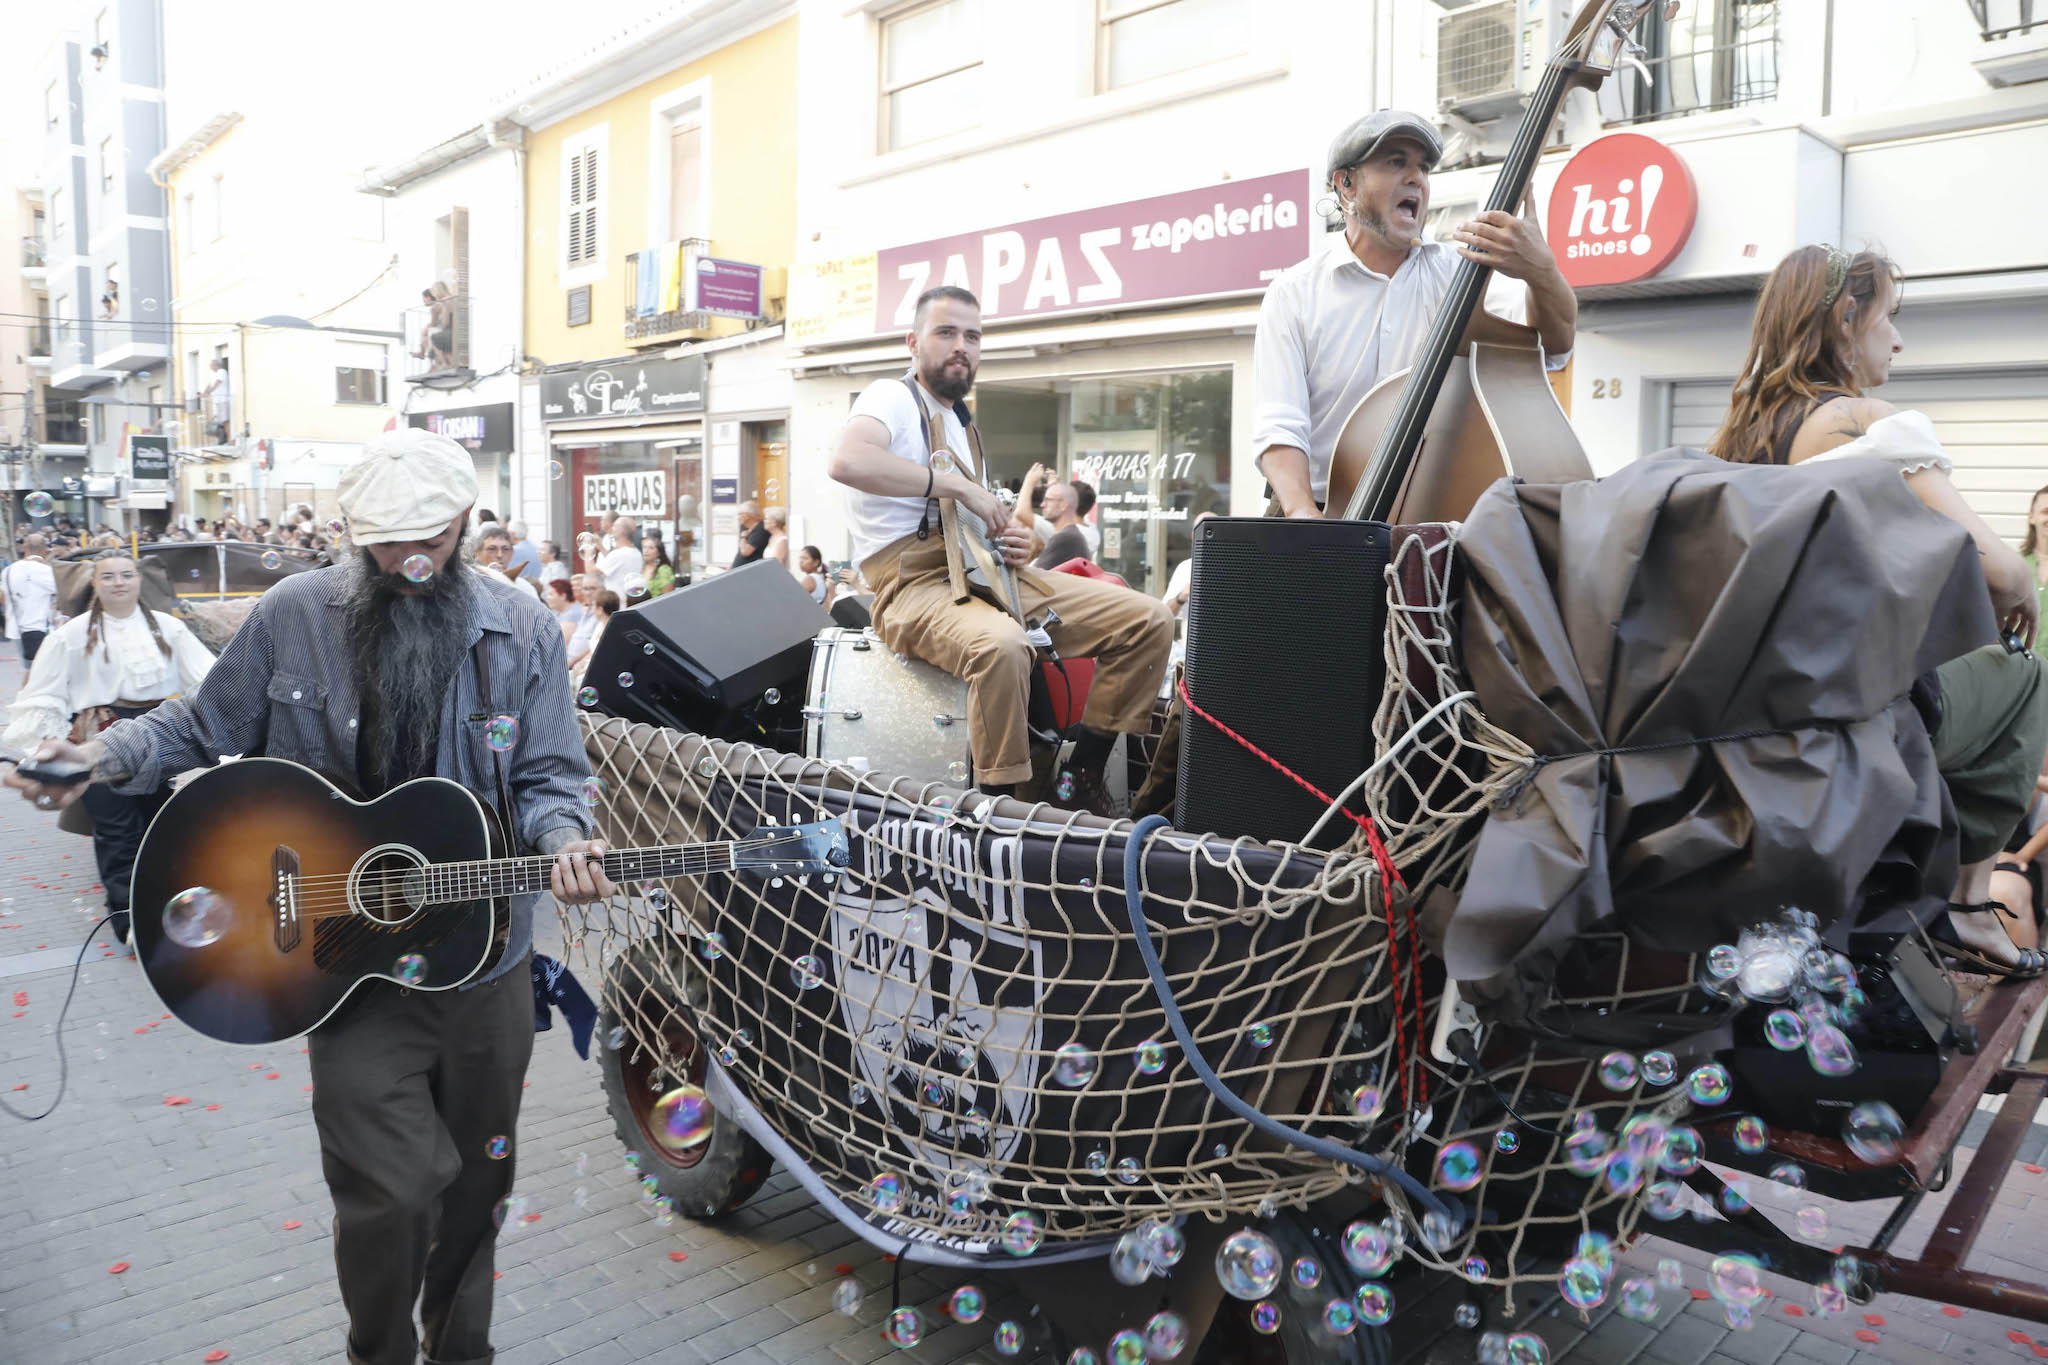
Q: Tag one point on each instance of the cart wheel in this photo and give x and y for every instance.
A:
(716, 1176)
(1301, 1336)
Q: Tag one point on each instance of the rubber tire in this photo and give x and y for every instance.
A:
(718, 1176)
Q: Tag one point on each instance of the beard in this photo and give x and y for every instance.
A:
(945, 385)
(406, 642)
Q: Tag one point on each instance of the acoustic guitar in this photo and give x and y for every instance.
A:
(1477, 404)
(264, 895)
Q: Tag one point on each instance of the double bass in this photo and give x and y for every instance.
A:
(1477, 404)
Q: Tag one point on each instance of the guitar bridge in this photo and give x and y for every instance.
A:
(284, 897)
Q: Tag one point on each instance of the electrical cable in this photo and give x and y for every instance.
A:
(1134, 906)
(63, 1064)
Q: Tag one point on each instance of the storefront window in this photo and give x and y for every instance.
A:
(1156, 449)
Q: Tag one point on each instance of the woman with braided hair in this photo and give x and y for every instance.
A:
(119, 659)
(1822, 338)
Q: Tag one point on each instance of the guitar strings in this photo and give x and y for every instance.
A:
(537, 862)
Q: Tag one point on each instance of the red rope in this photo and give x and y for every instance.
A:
(1401, 978)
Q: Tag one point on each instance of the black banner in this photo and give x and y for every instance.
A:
(633, 386)
(485, 428)
(149, 459)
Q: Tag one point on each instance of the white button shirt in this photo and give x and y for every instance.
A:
(1330, 329)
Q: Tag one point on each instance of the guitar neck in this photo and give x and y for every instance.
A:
(452, 882)
(1395, 452)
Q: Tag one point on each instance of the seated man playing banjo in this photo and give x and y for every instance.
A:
(1333, 326)
(886, 461)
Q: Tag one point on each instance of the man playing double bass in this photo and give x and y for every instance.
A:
(1334, 325)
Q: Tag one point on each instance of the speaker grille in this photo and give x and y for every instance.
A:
(1284, 645)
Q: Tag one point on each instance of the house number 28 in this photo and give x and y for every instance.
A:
(1607, 388)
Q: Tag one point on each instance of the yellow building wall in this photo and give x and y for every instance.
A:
(752, 209)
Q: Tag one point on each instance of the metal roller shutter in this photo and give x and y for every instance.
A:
(1994, 424)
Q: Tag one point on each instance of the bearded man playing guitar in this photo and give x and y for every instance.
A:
(401, 664)
(1336, 324)
(886, 461)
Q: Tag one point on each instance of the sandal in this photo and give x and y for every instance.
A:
(1976, 935)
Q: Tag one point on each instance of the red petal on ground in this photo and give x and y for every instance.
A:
(290, 1224)
(22, 1086)
(2019, 1338)
(497, 1274)
(1949, 1310)
(309, 1090)
(19, 1013)
(842, 1269)
(117, 1267)
(2040, 1351)
(2031, 1169)
(271, 1077)
(214, 1357)
(143, 1029)
(177, 1099)
(1874, 1319)
(212, 1106)
(21, 997)
(1699, 1293)
(890, 1257)
(531, 1218)
(679, 1255)
(167, 1016)
(108, 953)
(255, 1066)
(1864, 1334)
(1795, 1310)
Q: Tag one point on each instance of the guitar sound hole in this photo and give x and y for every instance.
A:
(390, 887)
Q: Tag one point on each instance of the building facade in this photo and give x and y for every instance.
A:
(105, 262)
(287, 302)
(454, 216)
(660, 207)
(1117, 181)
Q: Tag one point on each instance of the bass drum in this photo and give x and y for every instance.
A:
(883, 712)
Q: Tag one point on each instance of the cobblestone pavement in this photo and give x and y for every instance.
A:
(172, 1207)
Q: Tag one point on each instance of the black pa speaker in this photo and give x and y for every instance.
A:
(694, 658)
(1285, 645)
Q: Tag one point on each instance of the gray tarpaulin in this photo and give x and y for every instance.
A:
(1684, 599)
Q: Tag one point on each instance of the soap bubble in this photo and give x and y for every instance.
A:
(1125, 1348)
(682, 1119)
(502, 733)
(846, 1296)
(1438, 1231)
(1128, 1171)
(1873, 1131)
(1659, 1067)
(1813, 1223)
(904, 1328)
(271, 559)
(37, 504)
(1073, 1065)
(1582, 1283)
(593, 791)
(967, 1304)
(1149, 1057)
(1507, 1141)
(410, 969)
(586, 696)
(1670, 1272)
(1466, 1315)
(1128, 1261)
(1266, 1318)
(1789, 1173)
(1475, 1269)
(885, 1192)
(1664, 1200)
(1680, 1153)
(1097, 1162)
(1248, 1264)
(1708, 1084)
(1829, 1301)
(1259, 1035)
(1751, 1136)
(808, 972)
(1374, 1304)
(196, 917)
(626, 681)
(1367, 1249)
(1829, 1051)
(1493, 1346)
(1735, 1195)
(1526, 1348)
(1457, 1166)
(1306, 1272)
(1723, 961)
(1164, 1244)
(555, 470)
(498, 1148)
(1585, 1151)
(1166, 1336)
(1638, 1300)
(1768, 973)
(507, 1212)
(416, 568)
(1785, 1030)
(1366, 1102)
(1736, 1278)
(1624, 1172)
(1021, 1233)
(1618, 1071)
(1340, 1318)
(712, 946)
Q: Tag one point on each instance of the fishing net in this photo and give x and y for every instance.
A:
(956, 1034)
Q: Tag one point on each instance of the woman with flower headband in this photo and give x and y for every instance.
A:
(119, 659)
(1822, 338)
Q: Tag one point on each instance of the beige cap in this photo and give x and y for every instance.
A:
(409, 485)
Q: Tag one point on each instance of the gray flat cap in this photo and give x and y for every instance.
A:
(1357, 142)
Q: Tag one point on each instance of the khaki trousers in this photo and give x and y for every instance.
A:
(1127, 633)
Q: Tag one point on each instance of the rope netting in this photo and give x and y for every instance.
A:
(956, 1029)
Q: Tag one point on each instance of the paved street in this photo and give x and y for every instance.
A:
(172, 1208)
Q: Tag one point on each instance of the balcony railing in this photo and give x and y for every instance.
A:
(35, 251)
(63, 425)
(437, 338)
(648, 315)
(2004, 18)
(1740, 67)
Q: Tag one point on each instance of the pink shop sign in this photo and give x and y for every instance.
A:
(1231, 238)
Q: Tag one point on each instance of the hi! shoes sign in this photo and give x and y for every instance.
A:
(1620, 211)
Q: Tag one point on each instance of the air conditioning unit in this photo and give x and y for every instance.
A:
(1490, 54)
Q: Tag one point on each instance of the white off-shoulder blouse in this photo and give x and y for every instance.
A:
(1904, 438)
